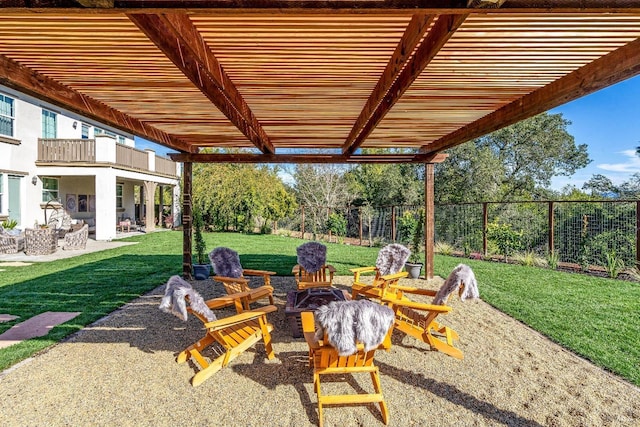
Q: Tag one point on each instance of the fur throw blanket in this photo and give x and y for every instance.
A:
(312, 256)
(349, 322)
(462, 275)
(226, 262)
(175, 296)
(391, 259)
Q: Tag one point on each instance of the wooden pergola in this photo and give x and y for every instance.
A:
(283, 77)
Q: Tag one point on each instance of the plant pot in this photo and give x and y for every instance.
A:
(201, 271)
(413, 269)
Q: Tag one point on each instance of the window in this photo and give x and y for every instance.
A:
(49, 128)
(7, 115)
(120, 139)
(49, 189)
(85, 131)
(119, 195)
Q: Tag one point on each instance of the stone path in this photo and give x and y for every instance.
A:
(37, 326)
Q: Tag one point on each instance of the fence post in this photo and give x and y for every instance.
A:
(302, 223)
(485, 217)
(551, 226)
(393, 224)
(429, 220)
(637, 233)
(360, 224)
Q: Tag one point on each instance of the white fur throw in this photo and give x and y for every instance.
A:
(391, 259)
(461, 275)
(312, 256)
(349, 322)
(226, 262)
(174, 300)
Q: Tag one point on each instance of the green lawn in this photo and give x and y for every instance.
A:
(596, 318)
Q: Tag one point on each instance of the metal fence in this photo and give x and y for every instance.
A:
(580, 232)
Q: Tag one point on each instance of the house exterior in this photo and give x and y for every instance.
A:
(52, 159)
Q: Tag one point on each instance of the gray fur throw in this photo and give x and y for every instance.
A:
(391, 259)
(349, 322)
(462, 275)
(312, 256)
(174, 300)
(226, 262)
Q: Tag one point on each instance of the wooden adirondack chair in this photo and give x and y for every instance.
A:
(419, 320)
(231, 335)
(390, 261)
(234, 334)
(241, 284)
(318, 279)
(324, 360)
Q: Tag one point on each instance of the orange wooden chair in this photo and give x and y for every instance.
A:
(226, 338)
(319, 279)
(390, 261)
(325, 360)
(229, 272)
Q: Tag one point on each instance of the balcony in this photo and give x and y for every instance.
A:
(102, 150)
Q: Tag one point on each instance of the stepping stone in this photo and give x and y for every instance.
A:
(37, 326)
(7, 317)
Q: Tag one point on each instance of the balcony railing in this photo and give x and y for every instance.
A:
(85, 151)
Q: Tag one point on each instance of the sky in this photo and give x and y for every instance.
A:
(607, 121)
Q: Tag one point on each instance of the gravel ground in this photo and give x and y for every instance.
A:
(122, 371)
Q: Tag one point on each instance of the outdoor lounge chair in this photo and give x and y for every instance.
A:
(419, 320)
(10, 243)
(326, 359)
(76, 239)
(229, 272)
(390, 261)
(312, 271)
(231, 335)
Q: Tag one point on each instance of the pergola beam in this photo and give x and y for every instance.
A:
(610, 69)
(307, 158)
(440, 32)
(23, 79)
(414, 32)
(177, 37)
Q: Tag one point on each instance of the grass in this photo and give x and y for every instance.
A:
(596, 318)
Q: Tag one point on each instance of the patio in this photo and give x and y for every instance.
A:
(511, 375)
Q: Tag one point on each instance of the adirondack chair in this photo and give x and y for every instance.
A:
(419, 320)
(229, 272)
(318, 279)
(232, 335)
(390, 261)
(325, 359)
(312, 271)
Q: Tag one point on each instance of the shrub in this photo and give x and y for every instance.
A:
(553, 259)
(505, 237)
(530, 259)
(443, 248)
(9, 224)
(337, 224)
(200, 245)
(613, 264)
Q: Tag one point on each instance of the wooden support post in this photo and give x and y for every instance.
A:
(160, 206)
(187, 222)
(429, 219)
(485, 218)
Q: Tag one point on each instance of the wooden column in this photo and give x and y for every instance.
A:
(150, 206)
(429, 219)
(187, 222)
(551, 226)
(485, 219)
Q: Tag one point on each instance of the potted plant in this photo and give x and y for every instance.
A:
(202, 267)
(414, 266)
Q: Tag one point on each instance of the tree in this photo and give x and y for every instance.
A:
(515, 162)
(386, 184)
(601, 186)
(318, 188)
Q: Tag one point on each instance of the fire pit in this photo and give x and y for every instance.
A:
(308, 300)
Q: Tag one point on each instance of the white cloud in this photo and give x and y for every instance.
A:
(630, 166)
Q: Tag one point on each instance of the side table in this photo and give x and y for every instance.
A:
(40, 241)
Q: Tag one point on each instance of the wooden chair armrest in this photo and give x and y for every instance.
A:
(360, 270)
(296, 269)
(416, 291)
(397, 276)
(226, 300)
(331, 268)
(417, 305)
(222, 279)
(240, 317)
(250, 272)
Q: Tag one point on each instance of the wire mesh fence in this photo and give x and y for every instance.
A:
(579, 232)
